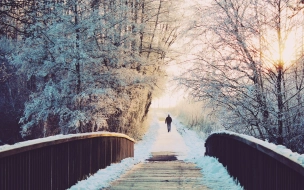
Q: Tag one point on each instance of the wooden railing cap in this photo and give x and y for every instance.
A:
(7, 150)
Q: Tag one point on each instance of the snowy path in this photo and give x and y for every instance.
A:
(169, 142)
(184, 143)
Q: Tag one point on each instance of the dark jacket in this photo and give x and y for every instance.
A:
(168, 120)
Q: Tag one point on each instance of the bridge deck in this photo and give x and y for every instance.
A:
(162, 171)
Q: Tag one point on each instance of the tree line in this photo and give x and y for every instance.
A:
(74, 66)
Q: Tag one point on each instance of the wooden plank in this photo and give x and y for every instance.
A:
(175, 174)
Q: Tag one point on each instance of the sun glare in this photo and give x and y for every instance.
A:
(289, 53)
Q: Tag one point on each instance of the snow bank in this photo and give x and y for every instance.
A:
(104, 177)
(282, 150)
(215, 175)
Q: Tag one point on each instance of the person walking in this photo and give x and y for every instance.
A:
(168, 121)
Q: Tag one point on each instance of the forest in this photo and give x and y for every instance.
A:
(75, 66)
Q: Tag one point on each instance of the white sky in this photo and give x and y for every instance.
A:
(170, 98)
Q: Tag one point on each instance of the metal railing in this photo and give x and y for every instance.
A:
(254, 165)
(59, 164)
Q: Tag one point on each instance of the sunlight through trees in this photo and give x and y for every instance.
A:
(248, 67)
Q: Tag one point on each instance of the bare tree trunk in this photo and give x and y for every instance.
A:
(279, 78)
(155, 26)
(280, 104)
(77, 64)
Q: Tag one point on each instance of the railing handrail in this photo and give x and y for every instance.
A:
(259, 146)
(8, 150)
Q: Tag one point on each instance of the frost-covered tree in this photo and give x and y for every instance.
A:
(241, 69)
(91, 65)
(14, 91)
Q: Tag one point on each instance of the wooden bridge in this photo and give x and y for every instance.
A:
(60, 163)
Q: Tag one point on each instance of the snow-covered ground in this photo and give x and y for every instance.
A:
(169, 142)
(188, 146)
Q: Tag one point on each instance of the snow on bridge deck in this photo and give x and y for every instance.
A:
(163, 170)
